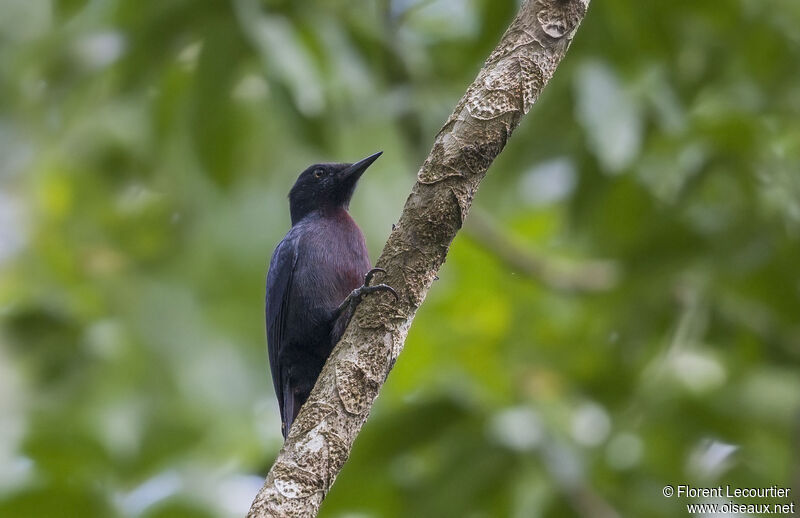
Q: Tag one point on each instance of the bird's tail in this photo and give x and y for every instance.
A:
(293, 399)
(289, 412)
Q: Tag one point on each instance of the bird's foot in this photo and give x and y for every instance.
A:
(366, 288)
(357, 294)
(378, 287)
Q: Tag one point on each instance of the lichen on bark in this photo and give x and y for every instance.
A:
(506, 87)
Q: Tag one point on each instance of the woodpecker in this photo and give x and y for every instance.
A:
(314, 283)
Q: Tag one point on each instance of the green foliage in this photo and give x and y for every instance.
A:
(147, 148)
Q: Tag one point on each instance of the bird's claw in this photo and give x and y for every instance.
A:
(357, 294)
(366, 288)
(370, 274)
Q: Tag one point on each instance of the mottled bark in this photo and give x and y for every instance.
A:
(476, 132)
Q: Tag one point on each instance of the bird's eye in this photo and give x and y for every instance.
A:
(318, 173)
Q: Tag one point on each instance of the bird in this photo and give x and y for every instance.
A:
(314, 282)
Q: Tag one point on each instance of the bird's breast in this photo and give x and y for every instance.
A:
(337, 258)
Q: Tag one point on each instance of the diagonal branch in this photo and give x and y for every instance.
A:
(505, 89)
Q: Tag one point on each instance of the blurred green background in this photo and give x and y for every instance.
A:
(621, 312)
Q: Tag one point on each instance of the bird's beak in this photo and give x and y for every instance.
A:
(354, 172)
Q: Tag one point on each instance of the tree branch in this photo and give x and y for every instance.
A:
(506, 87)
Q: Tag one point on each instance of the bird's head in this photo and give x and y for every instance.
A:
(326, 186)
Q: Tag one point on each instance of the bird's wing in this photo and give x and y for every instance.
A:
(279, 287)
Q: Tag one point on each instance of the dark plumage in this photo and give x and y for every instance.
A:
(314, 281)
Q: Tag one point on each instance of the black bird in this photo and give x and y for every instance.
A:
(315, 281)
